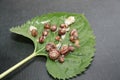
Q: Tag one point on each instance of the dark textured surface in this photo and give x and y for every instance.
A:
(103, 15)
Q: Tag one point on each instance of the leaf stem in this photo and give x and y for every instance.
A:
(17, 65)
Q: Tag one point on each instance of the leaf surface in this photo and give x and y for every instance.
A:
(75, 62)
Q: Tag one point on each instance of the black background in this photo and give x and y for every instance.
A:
(103, 15)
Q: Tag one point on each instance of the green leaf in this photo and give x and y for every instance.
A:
(75, 62)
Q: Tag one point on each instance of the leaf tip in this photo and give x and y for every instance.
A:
(11, 29)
